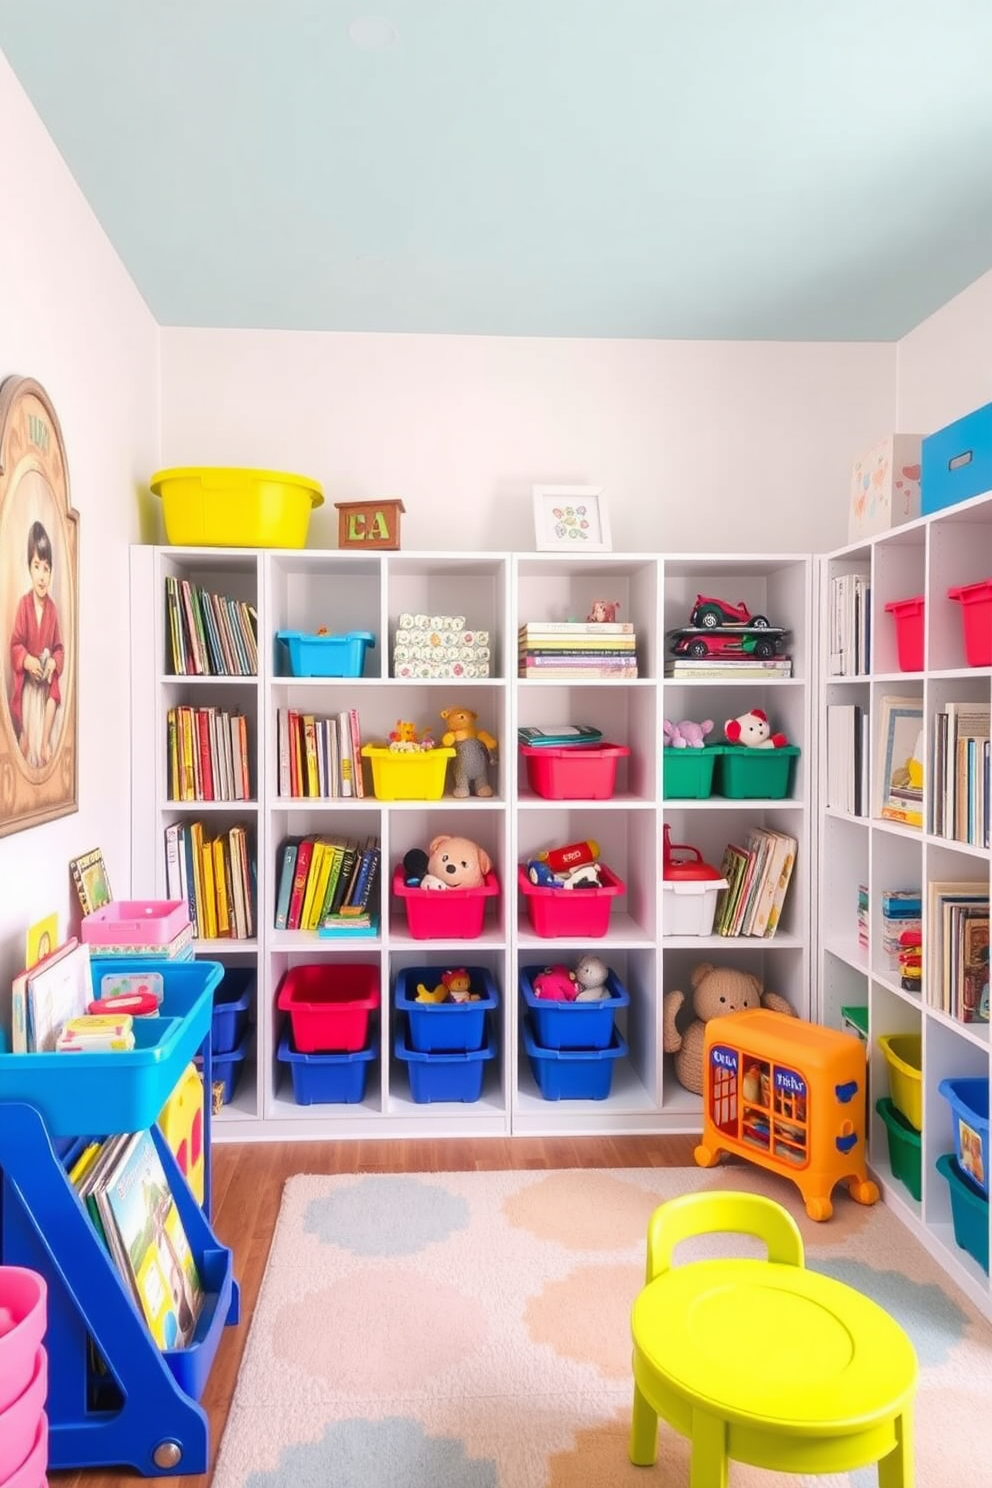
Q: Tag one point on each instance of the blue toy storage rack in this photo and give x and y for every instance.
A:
(144, 1412)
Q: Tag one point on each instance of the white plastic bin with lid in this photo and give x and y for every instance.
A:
(689, 891)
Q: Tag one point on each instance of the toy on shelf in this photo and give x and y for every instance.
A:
(790, 1096)
(588, 982)
(603, 612)
(708, 613)
(754, 731)
(717, 991)
(556, 984)
(690, 889)
(731, 645)
(686, 735)
(592, 976)
(454, 986)
(475, 751)
(449, 863)
(573, 867)
(403, 738)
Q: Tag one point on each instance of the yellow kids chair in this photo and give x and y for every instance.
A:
(762, 1361)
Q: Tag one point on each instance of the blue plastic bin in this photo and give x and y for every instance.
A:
(325, 655)
(230, 1065)
(327, 1079)
(969, 1103)
(120, 1091)
(957, 461)
(232, 1003)
(969, 1211)
(572, 1025)
(444, 1077)
(445, 1027)
(574, 1074)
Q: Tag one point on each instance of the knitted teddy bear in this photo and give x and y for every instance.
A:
(686, 735)
(473, 752)
(716, 991)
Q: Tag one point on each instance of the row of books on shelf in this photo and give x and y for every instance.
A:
(208, 755)
(847, 758)
(849, 622)
(720, 669)
(124, 1190)
(581, 650)
(215, 876)
(319, 757)
(208, 634)
(957, 950)
(758, 874)
(327, 885)
(960, 772)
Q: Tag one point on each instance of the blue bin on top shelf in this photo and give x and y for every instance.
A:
(572, 1025)
(311, 655)
(120, 1091)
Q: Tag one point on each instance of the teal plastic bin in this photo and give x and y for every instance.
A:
(969, 1211)
(744, 774)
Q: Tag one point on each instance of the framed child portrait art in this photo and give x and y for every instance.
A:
(571, 519)
(39, 646)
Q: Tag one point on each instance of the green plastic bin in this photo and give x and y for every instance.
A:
(687, 774)
(969, 1211)
(905, 1147)
(743, 773)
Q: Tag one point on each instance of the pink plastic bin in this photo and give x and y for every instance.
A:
(24, 1295)
(580, 772)
(32, 1473)
(976, 617)
(445, 914)
(19, 1422)
(908, 615)
(135, 922)
(573, 913)
(329, 1005)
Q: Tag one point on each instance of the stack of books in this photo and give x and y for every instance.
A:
(208, 755)
(957, 942)
(758, 875)
(577, 650)
(328, 886)
(849, 621)
(960, 764)
(319, 757)
(214, 877)
(717, 668)
(208, 634)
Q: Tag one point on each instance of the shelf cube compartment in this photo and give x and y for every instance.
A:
(687, 774)
(564, 913)
(976, 619)
(445, 914)
(329, 1005)
(744, 774)
(572, 1025)
(327, 1079)
(415, 776)
(445, 1027)
(445, 1077)
(904, 1058)
(969, 1103)
(573, 1074)
(578, 772)
(905, 1147)
(969, 1211)
(909, 616)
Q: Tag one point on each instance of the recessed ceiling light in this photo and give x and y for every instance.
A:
(372, 33)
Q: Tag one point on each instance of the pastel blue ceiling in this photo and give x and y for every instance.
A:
(793, 169)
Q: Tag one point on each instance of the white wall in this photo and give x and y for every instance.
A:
(944, 366)
(72, 318)
(698, 445)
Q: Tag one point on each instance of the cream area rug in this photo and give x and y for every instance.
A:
(471, 1330)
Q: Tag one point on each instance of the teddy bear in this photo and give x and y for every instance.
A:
(456, 863)
(686, 735)
(716, 991)
(590, 974)
(754, 730)
(473, 748)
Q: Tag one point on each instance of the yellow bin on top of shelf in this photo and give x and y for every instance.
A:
(904, 1058)
(215, 506)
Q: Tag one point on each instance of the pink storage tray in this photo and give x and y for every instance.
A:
(135, 922)
(19, 1422)
(23, 1293)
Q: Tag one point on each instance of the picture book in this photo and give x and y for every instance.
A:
(899, 784)
(41, 940)
(89, 874)
(149, 1244)
(19, 999)
(57, 990)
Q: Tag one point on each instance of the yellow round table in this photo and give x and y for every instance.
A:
(771, 1364)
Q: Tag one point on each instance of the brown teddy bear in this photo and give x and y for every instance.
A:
(716, 991)
(473, 752)
(456, 863)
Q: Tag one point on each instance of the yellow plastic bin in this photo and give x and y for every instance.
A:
(215, 506)
(904, 1058)
(398, 775)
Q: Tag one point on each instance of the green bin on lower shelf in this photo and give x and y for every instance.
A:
(905, 1147)
(743, 773)
(688, 773)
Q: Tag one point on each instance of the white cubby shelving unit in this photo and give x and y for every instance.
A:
(926, 557)
(343, 590)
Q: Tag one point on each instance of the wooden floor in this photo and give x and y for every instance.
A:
(248, 1183)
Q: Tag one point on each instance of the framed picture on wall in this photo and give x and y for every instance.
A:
(39, 586)
(571, 519)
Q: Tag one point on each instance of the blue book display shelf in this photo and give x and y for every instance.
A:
(114, 1399)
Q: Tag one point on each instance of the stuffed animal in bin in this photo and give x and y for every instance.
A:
(456, 863)
(590, 974)
(716, 991)
(556, 984)
(474, 751)
(754, 730)
(686, 735)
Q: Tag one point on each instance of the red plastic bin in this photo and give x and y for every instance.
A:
(908, 615)
(329, 1004)
(580, 772)
(571, 913)
(976, 617)
(445, 914)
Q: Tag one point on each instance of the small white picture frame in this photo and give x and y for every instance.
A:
(571, 519)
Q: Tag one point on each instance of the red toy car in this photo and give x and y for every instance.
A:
(709, 613)
(736, 646)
